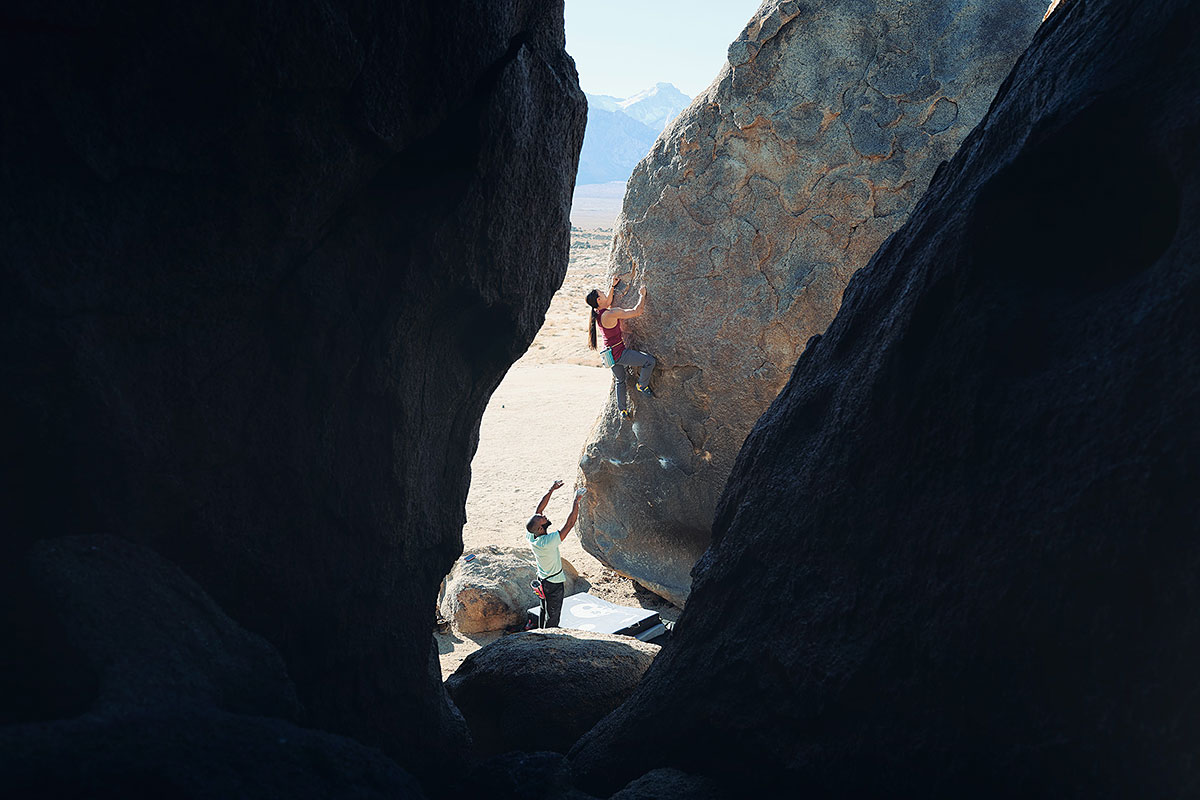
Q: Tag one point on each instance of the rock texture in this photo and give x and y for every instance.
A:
(540, 690)
(748, 218)
(181, 702)
(491, 592)
(670, 784)
(960, 553)
(262, 269)
(518, 775)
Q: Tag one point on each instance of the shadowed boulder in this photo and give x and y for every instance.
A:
(960, 553)
(263, 265)
(670, 784)
(199, 755)
(540, 690)
(183, 702)
(149, 637)
(518, 775)
(748, 218)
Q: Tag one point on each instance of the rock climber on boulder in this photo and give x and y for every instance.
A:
(616, 355)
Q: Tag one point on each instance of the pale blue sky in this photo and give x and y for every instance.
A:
(623, 46)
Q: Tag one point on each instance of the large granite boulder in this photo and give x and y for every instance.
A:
(541, 689)
(263, 267)
(959, 556)
(491, 591)
(748, 218)
(180, 700)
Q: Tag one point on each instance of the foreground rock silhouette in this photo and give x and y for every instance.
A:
(263, 268)
(542, 689)
(748, 218)
(958, 556)
(184, 702)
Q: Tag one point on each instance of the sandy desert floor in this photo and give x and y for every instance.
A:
(533, 433)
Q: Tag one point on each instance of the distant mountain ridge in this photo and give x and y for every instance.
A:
(621, 131)
(605, 102)
(656, 106)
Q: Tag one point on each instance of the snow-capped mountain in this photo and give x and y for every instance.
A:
(613, 144)
(604, 102)
(621, 131)
(656, 106)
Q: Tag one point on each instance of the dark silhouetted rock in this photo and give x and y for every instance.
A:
(519, 776)
(491, 592)
(199, 755)
(149, 637)
(748, 218)
(540, 690)
(184, 698)
(959, 556)
(263, 265)
(671, 784)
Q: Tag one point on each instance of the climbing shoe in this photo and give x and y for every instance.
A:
(646, 390)
(625, 413)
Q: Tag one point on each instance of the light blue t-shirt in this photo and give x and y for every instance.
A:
(545, 550)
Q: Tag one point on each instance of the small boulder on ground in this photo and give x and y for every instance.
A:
(491, 591)
(543, 689)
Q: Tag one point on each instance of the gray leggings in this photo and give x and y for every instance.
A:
(631, 358)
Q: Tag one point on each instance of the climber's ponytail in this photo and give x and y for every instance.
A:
(593, 300)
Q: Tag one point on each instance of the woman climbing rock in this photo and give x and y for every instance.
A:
(616, 355)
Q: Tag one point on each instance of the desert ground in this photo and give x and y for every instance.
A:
(536, 425)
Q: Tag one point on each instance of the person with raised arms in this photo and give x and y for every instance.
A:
(550, 585)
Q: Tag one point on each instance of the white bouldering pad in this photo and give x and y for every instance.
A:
(586, 612)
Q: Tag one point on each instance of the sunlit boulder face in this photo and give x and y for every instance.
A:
(492, 591)
(748, 218)
(263, 266)
(959, 555)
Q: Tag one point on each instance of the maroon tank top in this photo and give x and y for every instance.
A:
(612, 336)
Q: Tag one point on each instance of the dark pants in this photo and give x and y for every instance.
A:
(643, 362)
(552, 605)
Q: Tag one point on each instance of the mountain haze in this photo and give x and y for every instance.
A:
(604, 101)
(621, 131)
